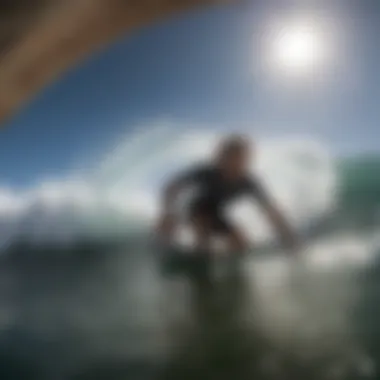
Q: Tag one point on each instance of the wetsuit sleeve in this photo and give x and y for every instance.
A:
(256, 189)
(178, 182)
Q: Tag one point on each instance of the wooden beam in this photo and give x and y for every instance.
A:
(63, 33)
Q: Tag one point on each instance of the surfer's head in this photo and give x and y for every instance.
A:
(234, 155)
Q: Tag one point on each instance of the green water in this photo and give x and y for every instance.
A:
(360, 187)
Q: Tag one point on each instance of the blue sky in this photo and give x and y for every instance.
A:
(205, 67)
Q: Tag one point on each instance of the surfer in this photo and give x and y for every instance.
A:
(218, 183)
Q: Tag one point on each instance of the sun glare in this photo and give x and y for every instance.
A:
(298, 49)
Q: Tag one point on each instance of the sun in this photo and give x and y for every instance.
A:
(297, 49)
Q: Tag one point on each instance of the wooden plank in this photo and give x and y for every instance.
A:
(65, 32)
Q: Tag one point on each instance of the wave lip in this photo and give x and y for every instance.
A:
(120, 196)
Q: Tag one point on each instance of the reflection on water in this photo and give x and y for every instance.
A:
(112, 315)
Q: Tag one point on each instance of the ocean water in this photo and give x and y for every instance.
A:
(82, 296)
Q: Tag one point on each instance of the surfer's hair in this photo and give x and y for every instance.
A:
(233, 144)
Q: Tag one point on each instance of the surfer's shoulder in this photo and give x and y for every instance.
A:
(203, 168)
(197, 171)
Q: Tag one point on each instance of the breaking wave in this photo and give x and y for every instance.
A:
(119, 197)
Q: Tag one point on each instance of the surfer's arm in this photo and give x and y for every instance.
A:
(167, 220)
(171, 192)
(276, 218)
(281, 224)
(175, 186)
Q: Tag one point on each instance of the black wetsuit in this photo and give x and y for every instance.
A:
(214, 192)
